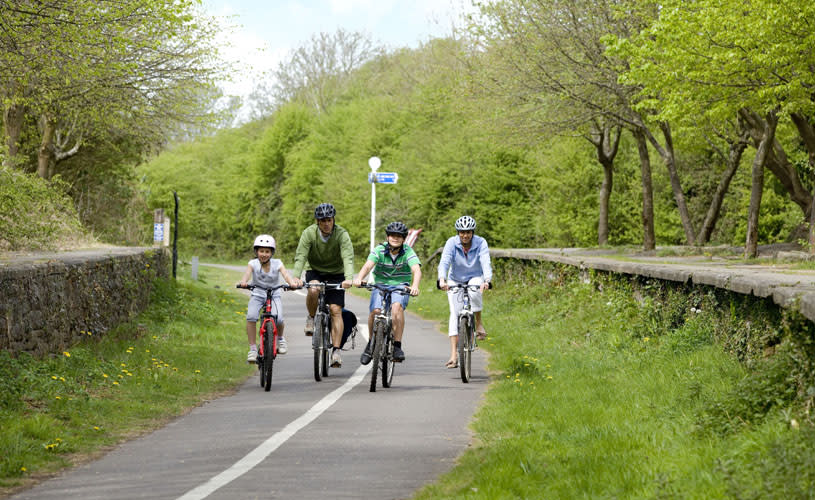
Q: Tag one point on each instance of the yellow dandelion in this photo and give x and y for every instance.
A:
(96, 427)
(123, 364)
(105, 375)
(66, 354)
(526, 364)
(147, 350)
(23, 469)
(58, 440)
(115, 383)
(89, 333)
(58, 397)
(155, 336)
(175, 369)
(54, 377)
(197, 371)
(129, 374)
(62, 379)
(549, 377)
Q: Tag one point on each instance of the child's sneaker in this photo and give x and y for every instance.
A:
(252, 357)
(336, 360)
(282, 345)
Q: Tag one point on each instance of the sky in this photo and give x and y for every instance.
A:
(266, 31)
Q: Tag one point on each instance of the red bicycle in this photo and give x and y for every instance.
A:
(267, 345)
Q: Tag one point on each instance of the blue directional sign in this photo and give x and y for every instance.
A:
(383, 177)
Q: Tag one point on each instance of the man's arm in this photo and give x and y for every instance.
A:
(301, 254)
(347, 253)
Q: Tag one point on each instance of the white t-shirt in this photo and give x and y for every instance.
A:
(266, 280)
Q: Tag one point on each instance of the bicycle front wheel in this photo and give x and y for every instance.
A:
(268, 356)
(318, 346)
(388, 364)
(379, 339)
(464, 352)
(326, 344)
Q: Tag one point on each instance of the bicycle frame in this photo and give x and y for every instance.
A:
(321, 339)
(383, 347)
(267, 346)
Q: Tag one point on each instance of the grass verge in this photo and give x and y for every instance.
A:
(186, 348)
(605, 388)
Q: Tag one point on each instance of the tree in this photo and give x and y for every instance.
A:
(318, 71)
(84, 66)
(547, 59)
(719, 60)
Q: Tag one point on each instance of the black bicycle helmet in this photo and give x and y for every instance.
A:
(465, 223)
(324, 211)
(397, 228)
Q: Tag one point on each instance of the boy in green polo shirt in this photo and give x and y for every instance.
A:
(393, 263)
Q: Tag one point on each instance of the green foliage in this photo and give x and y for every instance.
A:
(35, 214)
(214, 180)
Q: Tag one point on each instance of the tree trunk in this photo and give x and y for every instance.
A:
(45, 155)
(669, 158)
(764, 147)
(778, 163)
(605, 196)
(13, 118)
(807, 133)
(733, 160)
(648, 238)
(606, 148)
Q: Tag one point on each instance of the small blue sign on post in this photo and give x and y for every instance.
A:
(383, 177)
(158, 231)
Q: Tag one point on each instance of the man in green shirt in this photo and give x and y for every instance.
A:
(393, 263)
(326, 250)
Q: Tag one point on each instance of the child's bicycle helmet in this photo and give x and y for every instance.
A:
(264, 240)
(397, 228)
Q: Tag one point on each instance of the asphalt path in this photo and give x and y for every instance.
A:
(303, 439)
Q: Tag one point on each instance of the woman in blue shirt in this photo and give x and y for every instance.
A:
(465, 259)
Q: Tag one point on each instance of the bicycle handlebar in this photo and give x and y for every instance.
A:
(327, 286)
(462, 286)
(403, 287)
(284, 286)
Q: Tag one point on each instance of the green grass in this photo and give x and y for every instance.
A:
(601, 392)
(186, 348)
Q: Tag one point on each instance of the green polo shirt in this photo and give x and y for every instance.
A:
(393, 270)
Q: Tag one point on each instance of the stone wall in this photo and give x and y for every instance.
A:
(50, 301)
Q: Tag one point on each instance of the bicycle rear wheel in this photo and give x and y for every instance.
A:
(464, 352)
(268, 355)
(388, 364)
(318, 346)
(379, 334)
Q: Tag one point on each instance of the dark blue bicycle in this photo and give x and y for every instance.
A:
(382, 348)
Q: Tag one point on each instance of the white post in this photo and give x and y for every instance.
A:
(373, 162)
(373, 213)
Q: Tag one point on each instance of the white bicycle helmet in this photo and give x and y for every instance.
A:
(465, 223)
(264, 240)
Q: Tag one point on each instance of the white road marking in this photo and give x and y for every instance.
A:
(256, 456)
